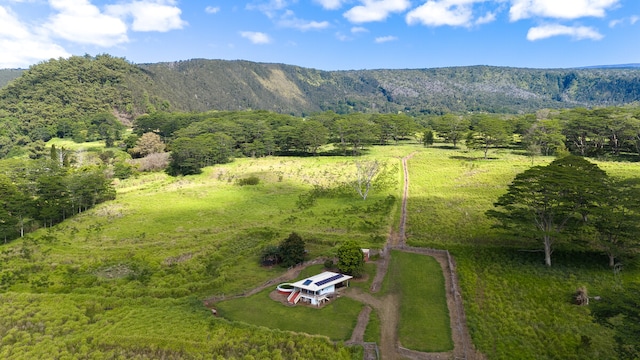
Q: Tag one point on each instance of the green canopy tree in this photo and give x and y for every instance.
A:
(545, 135)
(616, 219)
(351, 258)
(292, 250)
(10, 203)
(545, 201)
(451, 127)
(312, 135)
(488, 132)
(356, 130)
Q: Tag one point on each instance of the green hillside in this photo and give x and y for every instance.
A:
(6, 75)
(200, 85)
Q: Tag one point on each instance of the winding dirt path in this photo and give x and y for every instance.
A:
(388, 306)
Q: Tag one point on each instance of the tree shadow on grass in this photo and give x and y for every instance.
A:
(472, 158)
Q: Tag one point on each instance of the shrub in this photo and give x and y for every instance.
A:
(152, 162)
(351, 258)
(251, 180)
(328, 264)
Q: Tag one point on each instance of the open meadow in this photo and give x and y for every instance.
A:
(515, 306)
(127, 279)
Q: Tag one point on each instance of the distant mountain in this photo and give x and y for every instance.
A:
(617, 66)
(73, 89)
(6, 75)
(232, 85)
(199, 85)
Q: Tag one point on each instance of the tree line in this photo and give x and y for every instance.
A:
(196, 140)
(44, 192)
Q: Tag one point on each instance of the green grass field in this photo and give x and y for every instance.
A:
(127, 278)
(424, 316)
(177, 241)
(515, 306)
(335, 320)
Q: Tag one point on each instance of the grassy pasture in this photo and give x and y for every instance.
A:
(125, 279)
(424, 316)
(170, 241)
(515, 306)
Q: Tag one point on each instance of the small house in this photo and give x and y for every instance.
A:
(318, 288)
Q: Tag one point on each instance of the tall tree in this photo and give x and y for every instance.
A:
(616, 219)
(488, 132)
(10, 203)
(351, 258)
(356, 130)
(544, 201)
(366, 172)
(292, 250)
(312, 135)
(451, 127)
(148, 143)
(546, 135)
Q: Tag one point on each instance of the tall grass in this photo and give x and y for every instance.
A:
(516, 307)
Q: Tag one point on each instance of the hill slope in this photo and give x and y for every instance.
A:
(200, 85)
(6, 75)
(33, 105)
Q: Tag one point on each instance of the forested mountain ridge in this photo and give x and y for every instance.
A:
(37, 104)
(6, 75)
(200, 85)
(233, 85)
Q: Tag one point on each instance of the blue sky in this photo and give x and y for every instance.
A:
(327, 34)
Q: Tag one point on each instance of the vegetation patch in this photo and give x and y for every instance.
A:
(424, 317)
(114, 272)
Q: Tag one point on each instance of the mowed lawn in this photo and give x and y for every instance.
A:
(336, 320)
(424, 317)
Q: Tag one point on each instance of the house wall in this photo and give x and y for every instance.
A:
(327, 290)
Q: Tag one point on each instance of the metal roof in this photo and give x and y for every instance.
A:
(321, 281)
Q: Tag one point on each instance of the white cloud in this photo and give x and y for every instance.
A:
(330, 4)
(358, 29)
(444, 12)
(10, 26)
(614, 23)
(487, 18)
(256, 37)
(269, 8)
(342, 37)
(576, 32)
(149, 15)
(212, 9)
(560, 9)
(631, 20)
(384, 39)
(290, 20)
(81, 22)
(20, 46)
(375, 10)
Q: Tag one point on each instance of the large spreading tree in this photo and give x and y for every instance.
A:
(545, 202)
